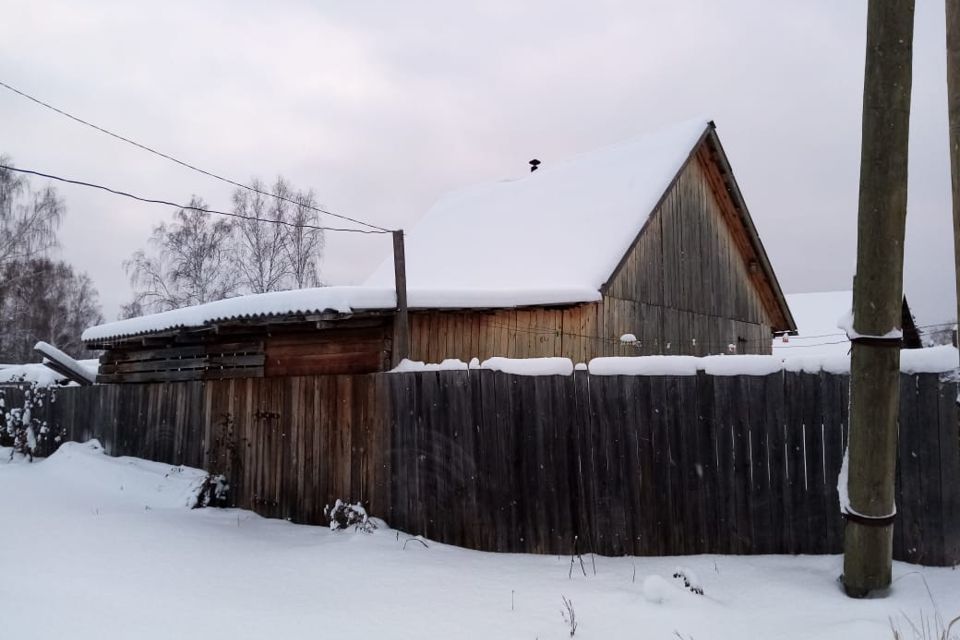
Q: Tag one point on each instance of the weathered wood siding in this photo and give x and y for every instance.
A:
(204, 361)
(363, 349)
(644, 465)
(252, 349)
(686, 286)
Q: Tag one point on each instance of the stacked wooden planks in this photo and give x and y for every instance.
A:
(211, 361)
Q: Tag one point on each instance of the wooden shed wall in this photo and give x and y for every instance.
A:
(363, 349)
(355, 345)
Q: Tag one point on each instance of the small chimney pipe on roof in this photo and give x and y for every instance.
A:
(534, 165)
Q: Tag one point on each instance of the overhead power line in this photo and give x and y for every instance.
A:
(230, 214)
(183, 163)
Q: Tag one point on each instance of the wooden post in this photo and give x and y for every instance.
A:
(401, 322)
(878, 297)
(953, 108)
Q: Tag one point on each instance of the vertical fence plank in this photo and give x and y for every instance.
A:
(949, 472)
(560, 449)
(509, 525)
(707, 461)
(672, 420)
(761, 502)
(742, 466)
(796, 465)
(773, 389)
(928, 453)
(687, 463)
(661, 465)
(724, 444)
(831, 398)
(635, 467)
(815, 481)
(909, 507)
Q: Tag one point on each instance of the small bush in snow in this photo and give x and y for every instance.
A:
(689, 579)
(213, 492)
(343, 515)
(22, 430)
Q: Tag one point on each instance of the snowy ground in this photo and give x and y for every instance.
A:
(99, 547)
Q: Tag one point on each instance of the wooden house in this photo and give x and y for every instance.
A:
(643, 247)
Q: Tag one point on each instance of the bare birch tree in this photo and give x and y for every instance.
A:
(304, 245)
(191, 262)
(28, 219)
(261, 257)
(41, 299)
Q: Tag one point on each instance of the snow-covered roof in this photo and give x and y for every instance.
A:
(302, 301)
(566, 225)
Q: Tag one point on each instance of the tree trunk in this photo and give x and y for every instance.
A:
(878, 296)
(953, 106)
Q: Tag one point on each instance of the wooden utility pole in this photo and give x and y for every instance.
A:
(878, 297)
(953, 107)
(401, 322)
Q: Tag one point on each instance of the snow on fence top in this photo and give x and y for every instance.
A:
(341, 299)
(566, 225)
(941, 359)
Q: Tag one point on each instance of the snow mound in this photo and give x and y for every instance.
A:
(657, 589)
(416, 366)
(85, 468)
(930, 360)
(530, 366)
(644, 366)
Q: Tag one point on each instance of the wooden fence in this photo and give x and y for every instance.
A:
(643, 465)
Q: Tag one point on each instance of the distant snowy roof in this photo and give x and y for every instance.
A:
(566, 225)
(817, 316)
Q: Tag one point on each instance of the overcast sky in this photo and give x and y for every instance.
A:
(380, 107)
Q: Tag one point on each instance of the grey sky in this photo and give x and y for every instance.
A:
(380, 107)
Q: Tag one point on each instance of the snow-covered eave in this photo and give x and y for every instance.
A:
(368, 301)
